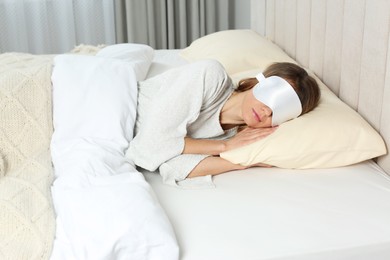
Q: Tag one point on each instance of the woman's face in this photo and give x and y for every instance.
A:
(255, 113)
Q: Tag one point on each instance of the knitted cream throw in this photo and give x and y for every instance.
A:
(27, 224)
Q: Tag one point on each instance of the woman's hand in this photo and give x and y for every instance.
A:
(248, 136)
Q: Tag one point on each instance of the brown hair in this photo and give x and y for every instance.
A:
(305, 85)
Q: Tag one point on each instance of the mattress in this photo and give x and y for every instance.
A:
(273, 213)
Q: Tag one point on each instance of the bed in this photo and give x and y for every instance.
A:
(274, 213)
(334, 213)
(327, 198)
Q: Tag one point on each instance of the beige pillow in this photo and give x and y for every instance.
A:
(237, 50)
(332, 135)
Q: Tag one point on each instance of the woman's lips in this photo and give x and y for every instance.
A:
(256, 115)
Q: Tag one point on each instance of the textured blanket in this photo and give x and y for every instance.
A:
(27, 224)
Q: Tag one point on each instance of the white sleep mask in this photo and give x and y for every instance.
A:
(279, 95)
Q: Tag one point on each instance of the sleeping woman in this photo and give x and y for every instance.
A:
(188, 115)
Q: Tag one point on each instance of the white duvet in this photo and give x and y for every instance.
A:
(105, 209)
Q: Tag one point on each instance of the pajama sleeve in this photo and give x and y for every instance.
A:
(175, 171)
(179, 98)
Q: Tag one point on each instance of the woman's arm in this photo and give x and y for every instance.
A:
(214, 165)
(215, 147)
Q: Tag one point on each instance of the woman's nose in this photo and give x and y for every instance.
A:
(267, 111)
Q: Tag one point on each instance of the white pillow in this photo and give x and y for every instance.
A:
(331, 135)
(140, 56)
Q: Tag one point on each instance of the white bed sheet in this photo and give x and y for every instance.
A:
(271, 213)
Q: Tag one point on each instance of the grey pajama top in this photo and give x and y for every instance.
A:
(184, 101)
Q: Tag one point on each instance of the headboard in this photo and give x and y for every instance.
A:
(346, 43)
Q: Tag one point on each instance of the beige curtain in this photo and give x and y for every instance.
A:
(169, 24)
